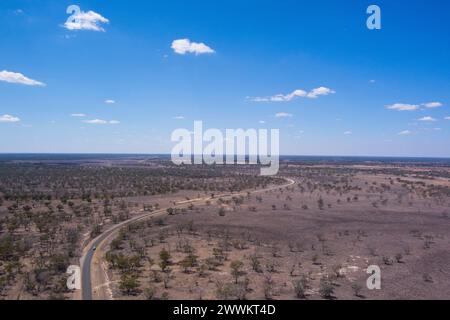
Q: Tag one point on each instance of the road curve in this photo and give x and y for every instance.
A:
(89, 252)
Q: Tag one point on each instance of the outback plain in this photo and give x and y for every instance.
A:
(224, 232)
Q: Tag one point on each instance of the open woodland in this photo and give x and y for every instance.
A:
(311, 240)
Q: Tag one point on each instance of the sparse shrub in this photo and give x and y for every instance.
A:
(299, 289)
(326, 289)
(388, 261)
(320, 204)
(337, 270)
(268, 288)
(315, 259)
(356, 287)
(427, 277)
(150, 293)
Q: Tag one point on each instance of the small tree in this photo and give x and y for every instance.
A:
(164, 257)
(236, 269)
(129, 284)
(256, 264)
(188, 262)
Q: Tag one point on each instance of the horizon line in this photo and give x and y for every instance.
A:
(168, 154)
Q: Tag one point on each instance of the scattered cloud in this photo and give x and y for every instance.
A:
(283, 115)
(372, 81)
(413, 107)
(9, 118)
(99, 121)
(179, 117)
(432, 105)
(404, 133)
(78, 115)
(403, 107)
(447, 118)
(321, 91)
(299, 93)
(18, 12)
(348, 132)
(427, 119)
(262, 122)
(183, 46)
(86, 21)
(15, 77)
(110, 101)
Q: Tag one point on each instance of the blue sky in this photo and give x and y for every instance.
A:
(242, 56)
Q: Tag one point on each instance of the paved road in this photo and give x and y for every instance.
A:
(86, 259)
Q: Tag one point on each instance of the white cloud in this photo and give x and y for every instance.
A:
(447, 118)
(427, 119)
(262, 122)
(183, 46)
(179, 117)
(432, 105)
(86, 21)
(321, 91)
(9, 118)
(99, 121)
(283, 115)
(299, 93)
(372, 81)
(413, 107)
(348, 132)
(404, 133)
(79, 115)
(96, 121)
(403, 107)
(110, 101)
(15, 77)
